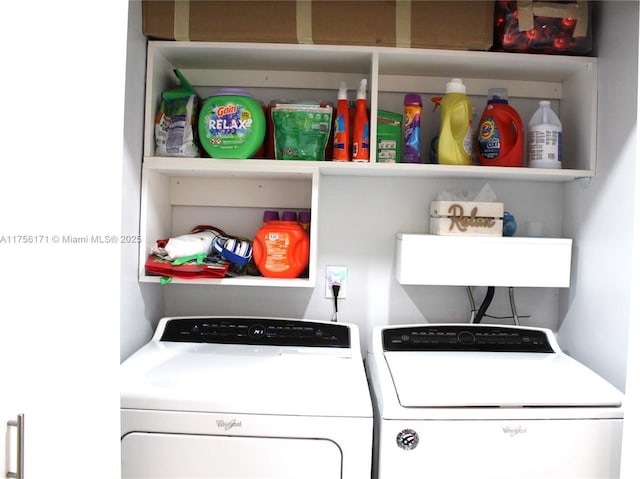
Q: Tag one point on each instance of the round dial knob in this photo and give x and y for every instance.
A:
(407, 439)
(257, 330)
(466, 337)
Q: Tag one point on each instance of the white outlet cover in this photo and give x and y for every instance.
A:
(336, 274)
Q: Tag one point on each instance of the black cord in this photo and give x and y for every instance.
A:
(336, 292)
(485, 304)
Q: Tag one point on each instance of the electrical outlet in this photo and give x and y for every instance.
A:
(336, 275)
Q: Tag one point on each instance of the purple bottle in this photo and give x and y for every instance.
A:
(411, 130)
(304, 218)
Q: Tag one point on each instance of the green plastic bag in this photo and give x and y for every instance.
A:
(301, 131)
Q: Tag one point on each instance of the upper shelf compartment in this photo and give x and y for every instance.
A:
(570, 83)
(272, 71)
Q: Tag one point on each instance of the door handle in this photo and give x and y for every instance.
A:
(18, 423)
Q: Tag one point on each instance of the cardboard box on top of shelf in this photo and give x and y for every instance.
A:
(421, 24)
(458, 25)
(236, 21)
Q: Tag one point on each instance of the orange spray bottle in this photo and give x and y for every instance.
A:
(361, 125)
(341, 127)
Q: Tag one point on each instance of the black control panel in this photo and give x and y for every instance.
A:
(465, 337)
(257, 331)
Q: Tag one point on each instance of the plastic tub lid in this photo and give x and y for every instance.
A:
(231, 91)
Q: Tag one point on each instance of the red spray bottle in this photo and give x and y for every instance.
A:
(361, 125)
(341, 127)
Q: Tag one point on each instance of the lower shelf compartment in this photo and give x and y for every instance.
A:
(238, 281)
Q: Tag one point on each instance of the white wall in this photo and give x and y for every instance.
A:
(141, 304)
(358, 221)
(630, 467)
(599, 216)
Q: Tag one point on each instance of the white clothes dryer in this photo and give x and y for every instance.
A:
(481, 401)
(250, 397)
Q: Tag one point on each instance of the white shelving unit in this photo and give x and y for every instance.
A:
(175, 187)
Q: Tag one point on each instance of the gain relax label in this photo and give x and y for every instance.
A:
(231, 126)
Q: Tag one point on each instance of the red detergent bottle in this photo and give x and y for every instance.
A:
(500, 138)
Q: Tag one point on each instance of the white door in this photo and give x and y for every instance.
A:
(61, 153)
(187, 456)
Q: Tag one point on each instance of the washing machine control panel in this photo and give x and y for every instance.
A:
(257, 331)
(469, 337)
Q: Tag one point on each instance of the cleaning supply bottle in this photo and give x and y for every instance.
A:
(304, 218)
(509, 225)
(281, 249)
(455, 139)
(411, 130)
(231, 124)
(341, 127)
(500, 138)
(545, 138)
(361, 125)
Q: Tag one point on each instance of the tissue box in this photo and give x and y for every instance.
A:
(473, 218)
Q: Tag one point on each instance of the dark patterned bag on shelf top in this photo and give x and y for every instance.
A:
(551, 27)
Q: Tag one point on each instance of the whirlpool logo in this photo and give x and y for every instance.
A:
(514, 431)
(228, 424)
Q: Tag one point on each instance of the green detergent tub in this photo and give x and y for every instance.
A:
(231, 124)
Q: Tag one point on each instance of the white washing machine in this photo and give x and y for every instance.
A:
(481, 401)
(231, 398)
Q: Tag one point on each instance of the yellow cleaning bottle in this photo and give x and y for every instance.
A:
(456, 138)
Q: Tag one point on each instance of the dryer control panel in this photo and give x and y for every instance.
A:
(257, 331)
(466, 337)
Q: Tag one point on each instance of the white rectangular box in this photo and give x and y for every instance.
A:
(475, 218)
(483, 261)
